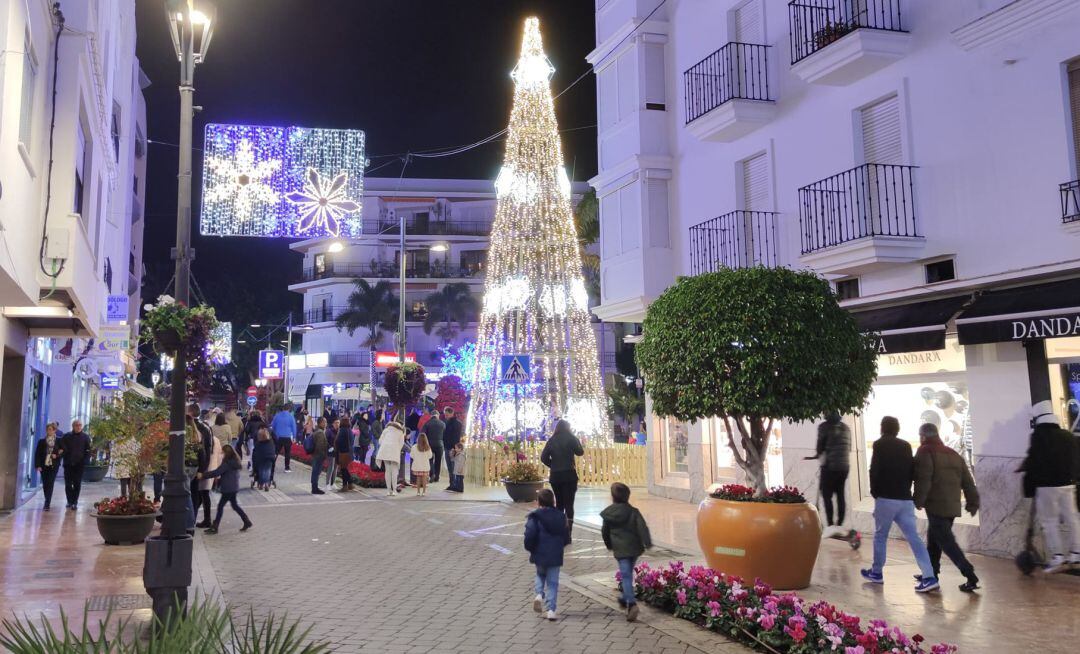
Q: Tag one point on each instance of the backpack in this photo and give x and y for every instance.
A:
(309, 443)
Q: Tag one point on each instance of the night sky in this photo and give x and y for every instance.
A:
(413, 74)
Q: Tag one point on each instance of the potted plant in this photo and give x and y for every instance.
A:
(96, 469)
(137, 431)
(172, 326)
(832, 32)
(522, 480)
(750, 347)
(405, 384)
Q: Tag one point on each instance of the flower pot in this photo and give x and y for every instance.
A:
(523, 491)
(94, 473)
(124, 529)
(777, 543)
(167, 340)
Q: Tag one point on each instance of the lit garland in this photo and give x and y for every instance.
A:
(535, 300)
(292, 182)
(219, 349)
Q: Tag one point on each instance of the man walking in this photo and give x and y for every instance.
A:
(1049, 476)
(76, 455)
(940, 476)
(451, 437)
(892, 469)
(434, 430)
(319, 448)
(283, 429)
(834, 450)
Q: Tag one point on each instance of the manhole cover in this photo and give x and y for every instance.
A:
(119, 602)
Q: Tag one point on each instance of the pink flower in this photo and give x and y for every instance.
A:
(858, 649)
(767, 621)
(714, 609)
(680, 597)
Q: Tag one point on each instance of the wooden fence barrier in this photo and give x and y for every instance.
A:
(601, 466)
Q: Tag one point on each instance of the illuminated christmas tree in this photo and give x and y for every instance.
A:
(535, 300)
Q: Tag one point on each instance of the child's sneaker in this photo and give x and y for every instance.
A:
(551, 616)
(632, 612)
(538, 603)
(927, 584)
(871, 576)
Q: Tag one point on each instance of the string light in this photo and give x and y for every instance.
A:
(535, 300)
(219, 348)
(288, 182)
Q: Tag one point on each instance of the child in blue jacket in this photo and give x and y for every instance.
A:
(545, 537)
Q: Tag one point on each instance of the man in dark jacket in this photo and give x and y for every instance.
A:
(892, 469)
(627, 536)
(545, 537)
(320, 447)
(434, 430)
(558, 455)
(451, 437)
(940, 476)
(1050, 476)
(206, 442)
(75, 446)
(833, 448)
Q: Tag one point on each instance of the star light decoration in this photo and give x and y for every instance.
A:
(535, 300)
(219, 349)
(323, 205)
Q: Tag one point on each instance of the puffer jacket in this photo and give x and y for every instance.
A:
(391, 443)
(834, 442)
(545, 536)
(625, 532)
(1051, 459)
(941, 475)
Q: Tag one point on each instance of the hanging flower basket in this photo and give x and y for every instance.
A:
(167, 340)
(405, 383)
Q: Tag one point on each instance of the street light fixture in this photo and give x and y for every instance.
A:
(155, 377)
(335, 247)
(440, 247)
(167, 570)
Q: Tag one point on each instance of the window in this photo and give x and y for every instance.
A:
(675, 440)
(748, 23)
(940, 271)
(320, 264)
(1074, 110)
(84, 157)
(472, 261)
(655, 98)
(882, 141)
(114, 129)
(847, 289)
(108, 274)
(754, 174)
(29, 85)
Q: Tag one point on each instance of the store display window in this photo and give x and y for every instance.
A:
(1064, 357)
(676, 444)
(727, 469)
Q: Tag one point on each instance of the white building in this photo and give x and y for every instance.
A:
(917, 153)
(72, 173)
(447, 224)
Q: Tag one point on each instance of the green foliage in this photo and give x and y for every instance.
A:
(134, 427)
(750, 346)
(587, 226)
(207, 628)
(372, 307)
(453, 305)
(625, 402)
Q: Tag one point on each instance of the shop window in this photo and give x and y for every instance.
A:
(1064, 357)
(847, 289)
(675, 439)
(320, 264)
(940, 271)
(29, 84)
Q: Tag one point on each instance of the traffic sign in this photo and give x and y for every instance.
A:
(271, 364)
(252, 391)
(514, 368)
(252, 400)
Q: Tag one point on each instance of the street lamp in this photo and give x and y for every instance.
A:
(335, 247)
(167, 569)
(155, 377)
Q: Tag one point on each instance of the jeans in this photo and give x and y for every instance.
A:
(547, 585)
(832, 483)
(626, 575)
(449, 463)
(1057, 506)
(229, 498)
(73, 483)
(265, 472)
(437, 456)
(159, 485)
(939, 538)
(316, 469)
(283, 444)
(48, 478)
(902, 512)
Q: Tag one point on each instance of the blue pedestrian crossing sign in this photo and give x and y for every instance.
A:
(514, 368)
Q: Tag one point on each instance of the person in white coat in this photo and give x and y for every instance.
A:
(217, 455)
(391, 443)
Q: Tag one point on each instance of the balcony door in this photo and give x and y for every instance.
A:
(747, 26)
(756, 182)
(882, 147)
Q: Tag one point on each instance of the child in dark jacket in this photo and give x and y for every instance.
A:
(229, 472)
(627, 536)
(545, 537)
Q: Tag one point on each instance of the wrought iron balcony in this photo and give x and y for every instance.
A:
(868, 200)
(814, 24)
(1070, 202)
(389, 270)
(427, 227)
(735, 71)
(740, 239)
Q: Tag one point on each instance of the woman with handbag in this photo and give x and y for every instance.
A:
(46, 460)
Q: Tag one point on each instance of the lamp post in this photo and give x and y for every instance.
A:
(167, 566)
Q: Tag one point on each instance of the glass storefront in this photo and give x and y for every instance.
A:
(726, 470)
(676, 445)
(1063, 355)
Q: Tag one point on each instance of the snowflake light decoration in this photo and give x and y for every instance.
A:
(242, 180)
(322, 205)
(219, 349)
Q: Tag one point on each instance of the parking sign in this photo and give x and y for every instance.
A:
(271, 364)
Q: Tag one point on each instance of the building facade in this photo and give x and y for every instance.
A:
(72, 174)
(920, 155)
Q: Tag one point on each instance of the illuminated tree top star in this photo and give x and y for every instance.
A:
(242, 180)
(322, 205)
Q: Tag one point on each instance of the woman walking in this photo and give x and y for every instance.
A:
(222, 431)
(262, 458)
(558, 455)
(391, 442)
(421, 455)
(229, 472)
(343, 447)
(46, 458)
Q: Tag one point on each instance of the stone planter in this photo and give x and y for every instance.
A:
(95, 473)
(523, 491)
(124, 529)
(776, 542)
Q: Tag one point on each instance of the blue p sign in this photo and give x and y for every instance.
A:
(271, 364)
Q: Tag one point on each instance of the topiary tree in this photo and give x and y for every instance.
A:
(752, 346)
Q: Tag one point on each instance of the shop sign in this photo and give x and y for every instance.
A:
(113, 340)
(271, 364)
(116, 308)
(110, 381)
(1018, 329)
(948, 358)
(387, 359)
(909, 341)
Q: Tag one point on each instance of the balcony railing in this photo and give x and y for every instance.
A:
(389, 270)
(428, 227)
(735, 71)
(1070, 202)
(814, 24)
(868, 200)
(740, 239)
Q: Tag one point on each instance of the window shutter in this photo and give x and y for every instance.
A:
(1074, 108)
(881, 136)
(755, 179)
(749, 26)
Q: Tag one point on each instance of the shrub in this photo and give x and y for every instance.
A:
(522, 472)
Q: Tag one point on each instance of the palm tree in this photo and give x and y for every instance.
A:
(373, 308)
(587, 223)
(453, 306)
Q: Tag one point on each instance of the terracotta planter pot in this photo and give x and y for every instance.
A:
(94, 473)
(124, 529)
(168, 340)
(524, 491)
(775, 542)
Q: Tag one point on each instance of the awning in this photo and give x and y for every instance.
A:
(1022, 313)
(911, 327)
(298, 385)
(352, 393)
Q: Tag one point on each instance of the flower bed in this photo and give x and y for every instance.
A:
(362, 473)
(124, 506)
(780, 623)
(776, 495)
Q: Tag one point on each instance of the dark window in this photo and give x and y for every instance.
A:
(847, 289)
(320, 264)
(655, 106)
(77, 200)
(473, 260)
(940, 271)
(115, 129)
(108, 274)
